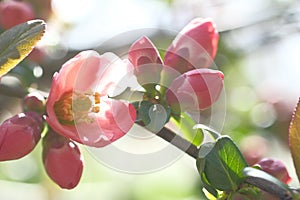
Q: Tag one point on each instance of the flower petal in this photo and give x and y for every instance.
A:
(73, 69)
(112, 75)
(114, 121)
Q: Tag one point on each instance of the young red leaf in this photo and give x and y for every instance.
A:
(294, 139)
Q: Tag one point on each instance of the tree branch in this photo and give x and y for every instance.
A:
(179, 142)
(176, 140)
(12, 91)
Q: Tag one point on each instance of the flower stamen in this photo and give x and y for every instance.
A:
(77, 106)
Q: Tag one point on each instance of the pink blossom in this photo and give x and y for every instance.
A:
(195, 90)
(62, 160)
(19, 135)
(14, 12)
(78, 106)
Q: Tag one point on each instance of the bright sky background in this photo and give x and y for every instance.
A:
(98, 20)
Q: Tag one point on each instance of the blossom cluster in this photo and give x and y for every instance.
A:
(83, 105)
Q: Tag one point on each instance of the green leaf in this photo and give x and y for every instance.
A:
(223, 164)
(187, 126)
(266, 182)
(129, 95)
(205, 149)
(154, 116)
(294, 139)
(25, 74)
(16, 43)
(207, 185)
(215, 135)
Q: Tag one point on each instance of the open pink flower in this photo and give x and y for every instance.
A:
(78, 106)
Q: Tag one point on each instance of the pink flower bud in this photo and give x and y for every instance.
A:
(14, 12)
(34, 102)
(19, 135)
(195, 90)
(275, 168)
(146, 61)
(194, 47)
(143, 52)
(62, 160)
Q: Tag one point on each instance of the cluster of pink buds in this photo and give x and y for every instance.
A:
(183, 71)
(20, 134)
(79, 107)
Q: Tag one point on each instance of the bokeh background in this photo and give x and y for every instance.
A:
(258, 52)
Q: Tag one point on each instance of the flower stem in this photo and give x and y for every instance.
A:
(12, 91)
(179, 142)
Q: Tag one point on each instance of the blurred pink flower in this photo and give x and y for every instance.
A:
(275, 168)
(78, 106)
(197, 89)
(254, 148)
(62, 160)
(19, 135)
(13, 13)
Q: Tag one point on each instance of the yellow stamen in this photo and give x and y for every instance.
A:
(96, 109)
(76, 106)
(97, 98)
